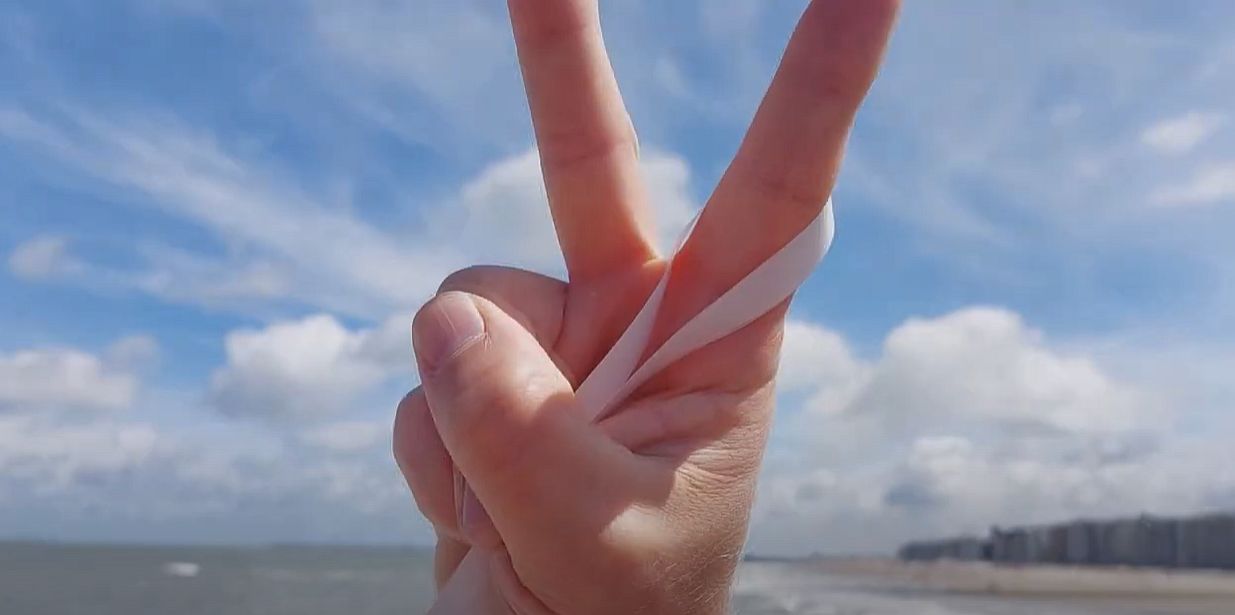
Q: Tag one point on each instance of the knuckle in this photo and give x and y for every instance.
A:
(406, 427)
(438, 509)
(725, 469)
(777, 187)
(709, 480)
(564, 151)
(482, 416)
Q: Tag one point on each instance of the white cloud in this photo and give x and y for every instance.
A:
(348, 436)
(951, 484)
(164, 485)
(506, 217)
(985, 364)
(133, 351)
(963, 421)
(63, 378)
(53, 456)
(668, 180)
(42, 257)
(1179, 135)
(1212, 184)
(865, 470)
(977, 368)
(305, 368)
(813, 358)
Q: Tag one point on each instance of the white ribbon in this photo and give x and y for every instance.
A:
(468, 592)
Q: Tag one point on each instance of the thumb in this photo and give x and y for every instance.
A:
(508, 418)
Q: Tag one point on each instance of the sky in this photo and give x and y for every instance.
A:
(218, 217)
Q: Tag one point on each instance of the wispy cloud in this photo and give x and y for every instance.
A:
(281, 244)
(1182, 134)
(43, 257)
(1211, 185)
(265, 222)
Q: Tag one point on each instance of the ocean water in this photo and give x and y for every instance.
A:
(98, 580)
(109, 580)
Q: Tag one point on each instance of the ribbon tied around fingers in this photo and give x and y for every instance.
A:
(469, 590)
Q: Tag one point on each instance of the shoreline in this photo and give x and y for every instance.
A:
(1044, 581)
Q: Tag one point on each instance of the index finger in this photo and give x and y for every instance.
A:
(787, 164)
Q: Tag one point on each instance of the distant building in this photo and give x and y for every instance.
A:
(961, 549)
(1198, 542)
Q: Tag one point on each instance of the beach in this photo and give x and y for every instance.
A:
(889, 587)
(43, 579)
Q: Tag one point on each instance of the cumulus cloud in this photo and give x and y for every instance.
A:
(505, 211)
(50, 456)
(348, 436)
(986, 364)
(945, 485)
(1179, 135)
(668, 180)
(68, 378)
(964, 420)
(311, 367)
(506, 216)
(115, 480)
(813, 357)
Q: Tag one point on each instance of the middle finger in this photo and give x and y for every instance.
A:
(587, 144)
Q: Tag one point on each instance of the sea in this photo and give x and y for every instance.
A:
(47, 579)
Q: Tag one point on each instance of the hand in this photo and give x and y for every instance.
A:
(646, 511)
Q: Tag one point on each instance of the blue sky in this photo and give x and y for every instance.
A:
(218, 217)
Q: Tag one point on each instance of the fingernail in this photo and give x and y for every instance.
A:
(446, 326)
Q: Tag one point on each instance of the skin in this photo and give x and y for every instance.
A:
(647, 511)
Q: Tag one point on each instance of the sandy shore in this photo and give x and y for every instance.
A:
(1165, 591)
(978, 577)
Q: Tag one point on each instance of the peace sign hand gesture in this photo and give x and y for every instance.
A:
(645, 511)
